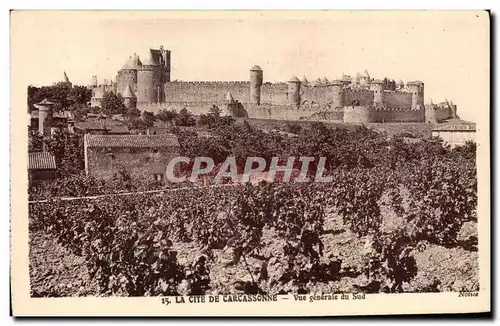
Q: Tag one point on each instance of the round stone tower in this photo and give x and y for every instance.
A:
(337, 93)
(416, 88)
(377, 86)
(364, 78)
(45, 113)
(294, 92)
(256, 78)
(430, 113)
(128, 74)
(148, 82)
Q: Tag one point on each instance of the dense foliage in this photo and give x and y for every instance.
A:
(113, 103)
(63, 95)
(128, 241)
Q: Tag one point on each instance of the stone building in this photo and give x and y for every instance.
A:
(456, 132)
(145, 157)
(41, 166)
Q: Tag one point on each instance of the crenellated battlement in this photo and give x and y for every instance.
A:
(397, 92)
(359, 90)
(276, 106)
(275, 85)
(395, 109)
(203, 83)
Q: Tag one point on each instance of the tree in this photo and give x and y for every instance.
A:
(392, 85)
(148, 118)
(213, 119)
(113, 103)
(68, 151)
(35, 141)
(80, 112)
(133, 113)
(225, 121)
(64, 96)
(80, 95)
(136, 123)
(185, 118)
(293, 128)
(166, 115)
(205, 120)
(215, 111)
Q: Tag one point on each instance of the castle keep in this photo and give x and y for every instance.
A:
(146, 85)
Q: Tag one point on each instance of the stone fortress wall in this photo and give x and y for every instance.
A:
(360, 101)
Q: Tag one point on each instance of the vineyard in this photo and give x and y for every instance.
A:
(408, 225)
(398, 217)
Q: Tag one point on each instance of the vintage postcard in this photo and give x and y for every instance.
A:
(250, 163)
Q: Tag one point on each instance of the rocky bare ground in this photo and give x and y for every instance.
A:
(56, 272)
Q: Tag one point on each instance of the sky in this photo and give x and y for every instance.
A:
(448, 51)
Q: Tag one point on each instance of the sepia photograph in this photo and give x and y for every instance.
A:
(287, 162)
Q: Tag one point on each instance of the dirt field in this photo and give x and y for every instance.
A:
(56, 272)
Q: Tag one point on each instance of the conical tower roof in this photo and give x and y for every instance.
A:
(305, 81)
(149, 60)
(325, 80)
(256, 68)
(365, 74)
(128, 93)
(294, 79)
(45, 102)
(133, 62)
(229, 97)
(400, 82)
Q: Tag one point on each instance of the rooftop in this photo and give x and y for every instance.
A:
(456, 125)
(43, 104)
(150, 60)
(128, 93)
(41, 161)
(131, 141)
(108, 125)
(133, 62)
(256, 68)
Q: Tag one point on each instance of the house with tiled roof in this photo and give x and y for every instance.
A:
(455, 132)
(41, 166)
(101, 127)
(144, 157)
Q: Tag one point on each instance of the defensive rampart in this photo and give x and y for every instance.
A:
(397, 99)
(362, 97)
(206, 91)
